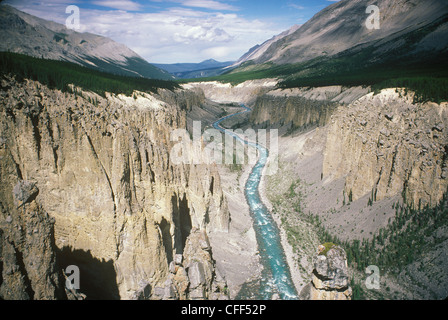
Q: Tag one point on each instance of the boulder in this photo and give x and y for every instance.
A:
(329, 277)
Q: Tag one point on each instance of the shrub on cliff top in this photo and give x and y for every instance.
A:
(325, 248)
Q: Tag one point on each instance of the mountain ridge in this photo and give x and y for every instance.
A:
(193, 70)
(33, 36)
(341, 27)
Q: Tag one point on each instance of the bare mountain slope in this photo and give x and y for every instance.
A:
(26, 34)
(257, 51)
(341, 26)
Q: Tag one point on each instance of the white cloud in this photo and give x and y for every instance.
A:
(201, 33)
(177, 34)
(180, 34)
(296, 6)
(209, 4)
(217, 52)
(126, 5)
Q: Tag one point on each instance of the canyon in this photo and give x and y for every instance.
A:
(92, 178)
(348, 156)
(122, 212)
(88, 180)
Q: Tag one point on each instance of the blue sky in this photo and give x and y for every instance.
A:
(169, 31)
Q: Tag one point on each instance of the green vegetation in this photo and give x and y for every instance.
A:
(426, 73)
(357, 290)
(425, 88)
(250, 72)
(428, 80)
(327, 246)
(415, 231)
(410, 234)
(59, 75)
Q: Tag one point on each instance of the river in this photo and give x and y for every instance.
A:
(276, 276)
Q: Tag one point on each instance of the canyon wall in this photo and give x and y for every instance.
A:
(385, 144)
(122, 210)
(382, 144)
(301, 108)
(293, 112)
(28, 264)
(246, 92)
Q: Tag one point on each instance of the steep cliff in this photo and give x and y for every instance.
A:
(28, 265)
(301, 108)
(122, 208)
(385, 144)
(292, 113)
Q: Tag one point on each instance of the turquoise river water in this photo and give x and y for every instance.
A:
(276, 276)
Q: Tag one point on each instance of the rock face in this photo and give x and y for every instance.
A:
(103, 171)
(193, 275)
(28, 265)
(342, 26)
(291, 112)
(385, 145)
(330, 277)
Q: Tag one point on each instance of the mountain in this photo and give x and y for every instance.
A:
(205, 68)
(257, 51)
(335, 47)
(26, 34)
(342, 26)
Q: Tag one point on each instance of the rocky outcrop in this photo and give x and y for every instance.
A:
(385, 144)
(193, 275)
(330, 276)
(28, 264)
(103, 169)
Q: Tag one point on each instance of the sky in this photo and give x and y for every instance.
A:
(174, 31)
